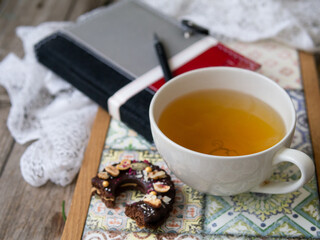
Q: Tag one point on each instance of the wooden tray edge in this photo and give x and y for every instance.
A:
(311, 88)
(82, 193)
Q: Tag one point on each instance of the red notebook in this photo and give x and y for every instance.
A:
(213, 55)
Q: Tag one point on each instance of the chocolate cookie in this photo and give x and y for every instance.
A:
(149, 179)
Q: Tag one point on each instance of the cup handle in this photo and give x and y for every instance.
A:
(301, 160)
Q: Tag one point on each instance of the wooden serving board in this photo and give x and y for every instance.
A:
(82, 194)
(310, 78)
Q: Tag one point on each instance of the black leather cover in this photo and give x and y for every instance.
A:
(95, 78)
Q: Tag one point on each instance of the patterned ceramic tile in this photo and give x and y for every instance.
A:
(258, 216)
(187, 214)
(196, 216)
(301, 140)
(278, 61)
(121, 137)
(292, 215)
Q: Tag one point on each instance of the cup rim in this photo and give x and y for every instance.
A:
(167, 84)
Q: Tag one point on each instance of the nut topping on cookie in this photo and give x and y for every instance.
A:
(160, 187)
(152, 200)
(139, 166)
(159, 193)
(157, 174)
(93, 190)
(103, 175)
(166, 199)
(124, 164)
(112, 170)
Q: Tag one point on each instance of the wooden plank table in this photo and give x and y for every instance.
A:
(35, 213)
(27, 212)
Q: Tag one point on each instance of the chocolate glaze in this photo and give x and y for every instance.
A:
(132, 178)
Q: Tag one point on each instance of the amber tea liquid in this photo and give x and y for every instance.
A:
(222, 122)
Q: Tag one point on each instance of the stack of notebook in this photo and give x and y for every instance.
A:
(114, 47)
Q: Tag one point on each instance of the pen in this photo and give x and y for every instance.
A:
(162, 57)
(190, 28)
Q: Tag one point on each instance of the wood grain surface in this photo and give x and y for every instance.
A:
(27, 212)
(310, 78)
(82, 194)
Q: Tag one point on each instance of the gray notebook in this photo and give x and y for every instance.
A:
(123, 34)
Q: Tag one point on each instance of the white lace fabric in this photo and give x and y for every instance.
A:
(57, 118)
(47, 110)
(293, 22)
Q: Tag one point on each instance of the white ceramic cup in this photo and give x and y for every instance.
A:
(220, 175)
